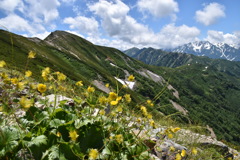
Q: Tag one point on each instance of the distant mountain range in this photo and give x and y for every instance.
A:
(205, 48)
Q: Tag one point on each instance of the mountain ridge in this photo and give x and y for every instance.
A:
(205, 48)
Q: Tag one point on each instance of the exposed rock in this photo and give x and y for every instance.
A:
(179, 107)
(101, 86)
(175, 92)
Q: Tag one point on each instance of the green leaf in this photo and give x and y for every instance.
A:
(38, 141)
(56, 123)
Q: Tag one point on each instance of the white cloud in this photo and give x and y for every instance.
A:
(117, 23)
(68, 1)
(159, 8)
(220, 37)
(173, 36)
(42, 35)
(82, 24)
(11, 5)
(210, 14)
(42, 10)
(15, 23)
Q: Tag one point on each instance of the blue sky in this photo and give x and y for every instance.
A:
(127, 23)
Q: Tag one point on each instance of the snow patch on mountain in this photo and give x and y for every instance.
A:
(129, 84)
(215, 51)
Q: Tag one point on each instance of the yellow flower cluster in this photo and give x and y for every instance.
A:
(113, 98)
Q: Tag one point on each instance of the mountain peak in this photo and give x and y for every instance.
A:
(206, 48)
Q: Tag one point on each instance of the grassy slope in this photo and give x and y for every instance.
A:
(93, 61)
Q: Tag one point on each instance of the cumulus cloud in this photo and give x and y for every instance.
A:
(220, 37)
(173, 36)
(117, 23)
(158, 8)
(11, 5)
(16, 23)
(41, 35)
(42, 10)
(82, 24)
(68, 1)
(210, 14)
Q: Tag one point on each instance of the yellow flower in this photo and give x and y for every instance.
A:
(1, 108)
(112, 96)
(127, 98)
(90, 89)
(170, 136)
(2, 64)
(149, 101)
(194, 151)
(61, 76)
(33, 86)
(20, 85)
(124, 86)
(119, 138)
(73, 135)
(152, 123)
(102, 112)
(119, 109)
(102, 100)
(178, 157)
(183, 153)
(31, 54)
(58, 134)
(4, 75)
(42, 88)
(139, 120)
(114, 103)
(149, 116)
(144, 110)
(79, 83)
(107, 85)
(14, 81)
(174, 130)
(26, 103)
(131, 78)
(28, 73)
(93, 154)
(119, 98)
(172, 149)
(45, 73)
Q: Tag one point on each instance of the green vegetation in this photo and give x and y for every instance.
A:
(53, 129)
